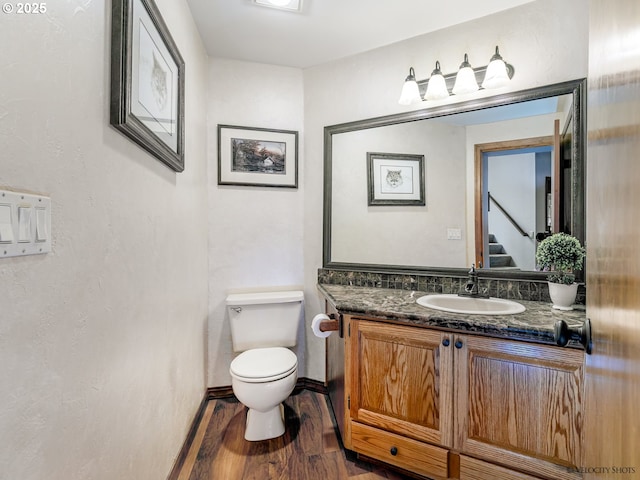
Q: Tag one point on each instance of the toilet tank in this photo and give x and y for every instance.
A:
(264, 319)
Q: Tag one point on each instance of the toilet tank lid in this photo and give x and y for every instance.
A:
(265, 297)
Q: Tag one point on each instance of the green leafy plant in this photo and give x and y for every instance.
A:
(560, 254)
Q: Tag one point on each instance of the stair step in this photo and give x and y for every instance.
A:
(492, 238)
(495, 248)
(500, 260)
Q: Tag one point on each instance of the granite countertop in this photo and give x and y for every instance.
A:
(535, 324)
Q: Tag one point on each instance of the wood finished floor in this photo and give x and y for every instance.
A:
(309, 449)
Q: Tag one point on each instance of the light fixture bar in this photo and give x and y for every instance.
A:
(450, 78)
(467, 80)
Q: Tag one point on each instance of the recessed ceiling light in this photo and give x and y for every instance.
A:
(291, 5)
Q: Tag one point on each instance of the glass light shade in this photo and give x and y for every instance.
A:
(465, 79)
(292, 5)
(410, 91)
(437, 87)
(496, 75)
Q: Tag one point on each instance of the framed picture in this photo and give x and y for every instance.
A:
(257, 156)
(147, 81)
(395, 179)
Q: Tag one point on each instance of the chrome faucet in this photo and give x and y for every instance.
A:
(471, 288)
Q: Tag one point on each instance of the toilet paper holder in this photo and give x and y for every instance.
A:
(334, 324)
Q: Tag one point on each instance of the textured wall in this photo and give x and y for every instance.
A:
(255, 233)
(102, 341)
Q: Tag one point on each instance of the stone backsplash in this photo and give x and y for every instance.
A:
(536, 291)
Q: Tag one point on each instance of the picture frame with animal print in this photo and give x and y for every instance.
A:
(257, 157)
(147, 81)
(395, 179)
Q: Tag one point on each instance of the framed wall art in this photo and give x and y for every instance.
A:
(395, 179)
(257, 157)
(147, 81)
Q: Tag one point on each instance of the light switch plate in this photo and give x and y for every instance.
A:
(454, 234)
(25, 224)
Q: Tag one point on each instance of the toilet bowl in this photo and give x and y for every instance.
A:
(263, 375)
(261, 379)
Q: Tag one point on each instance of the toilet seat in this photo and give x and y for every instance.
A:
(261, 365)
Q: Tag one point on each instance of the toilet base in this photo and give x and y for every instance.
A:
(264, 425)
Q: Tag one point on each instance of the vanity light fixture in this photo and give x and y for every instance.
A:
(437, 86)
(465, 79)
(497, 74)
(290, 5)
(410, 91)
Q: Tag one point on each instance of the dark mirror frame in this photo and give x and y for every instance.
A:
(575, 87)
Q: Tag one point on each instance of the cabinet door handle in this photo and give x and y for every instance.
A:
(393, 451)
(446, 342)
(458, 344)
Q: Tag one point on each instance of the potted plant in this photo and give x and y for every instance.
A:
(562, 255)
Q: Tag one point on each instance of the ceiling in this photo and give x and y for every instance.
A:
(325, 30)
(512, 111)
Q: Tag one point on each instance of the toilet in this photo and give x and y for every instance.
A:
(263, 326)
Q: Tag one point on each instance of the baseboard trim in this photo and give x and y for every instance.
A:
(188, 441)
(313, 385)
(219, 392)
(302, 384)
(214, 393)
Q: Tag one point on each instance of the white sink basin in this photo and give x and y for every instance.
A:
(478, 306)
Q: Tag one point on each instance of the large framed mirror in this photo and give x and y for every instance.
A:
(500, 173)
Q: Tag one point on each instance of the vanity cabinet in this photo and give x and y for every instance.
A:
(398, 384)
(448, 405)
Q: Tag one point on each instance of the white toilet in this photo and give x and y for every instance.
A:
(265, 373)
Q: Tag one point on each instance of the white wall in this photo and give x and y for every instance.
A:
(255, 233)
(399, 235)
(545, 40)
(102, 341)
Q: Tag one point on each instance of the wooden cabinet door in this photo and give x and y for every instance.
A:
(474, 469)
(400, 380)
(520, 405)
